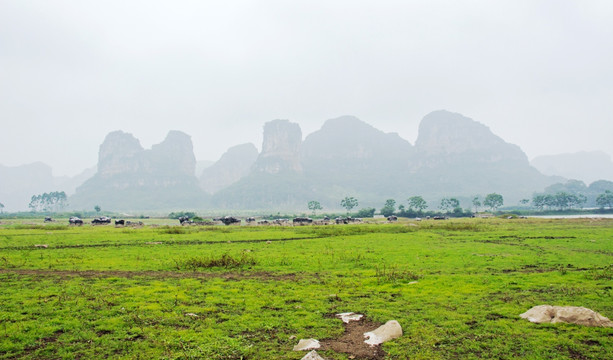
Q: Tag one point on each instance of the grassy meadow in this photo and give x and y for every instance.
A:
(457, 287)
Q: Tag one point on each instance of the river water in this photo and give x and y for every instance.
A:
(582, 216)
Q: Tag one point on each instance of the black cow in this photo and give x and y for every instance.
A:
(250, 219)
(48, 219)
(120, 222)
(184, 220)
(392, 218)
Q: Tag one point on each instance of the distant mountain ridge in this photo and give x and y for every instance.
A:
(453, 156)
(19, 183)
(587, 166)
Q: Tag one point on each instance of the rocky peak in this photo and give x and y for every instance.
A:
(175, 153)
(117, 153)
(348, 137)
(280, 148)
(443, 133)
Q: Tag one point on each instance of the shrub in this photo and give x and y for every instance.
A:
(226, 261)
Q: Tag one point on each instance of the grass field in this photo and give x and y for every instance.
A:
(170, 292)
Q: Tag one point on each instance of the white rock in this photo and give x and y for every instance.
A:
(191, 314)
(313, 355)
(388, 331)
(413, 282)
(566, 314)
(307, 344)
(349, 316)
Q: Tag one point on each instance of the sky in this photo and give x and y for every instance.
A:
(537, 73)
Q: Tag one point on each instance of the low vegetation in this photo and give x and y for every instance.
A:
(456, 286)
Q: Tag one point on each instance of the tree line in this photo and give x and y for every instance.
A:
(416, 206)
(563, 200)
(53, 201)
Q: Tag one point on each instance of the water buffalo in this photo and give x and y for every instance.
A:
(48, 219)
(228, 220)
(302, 221)
(120, 222)
(75, 221)
(392, 218)
(347, 220)
(184, 220)
(101, 220)
(250, 219)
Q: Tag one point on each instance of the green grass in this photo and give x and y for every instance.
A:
(456, 287)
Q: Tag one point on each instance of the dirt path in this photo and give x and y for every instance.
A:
(160, 243)
(260, 275)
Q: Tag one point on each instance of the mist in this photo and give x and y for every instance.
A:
(536, 72)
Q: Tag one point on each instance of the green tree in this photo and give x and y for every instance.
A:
(389, 208)
(476, 203)
(52, 201)
(1, 208)
(449, 204)
(97, 208)
(366, 213)
(538, 201)
(417, 203)
(605, 199)
(314, 206)
(493, 201)
(349, 202)
(524, 201)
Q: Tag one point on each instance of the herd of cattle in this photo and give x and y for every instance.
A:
(231, 220)
(228, 220)
(102, 220)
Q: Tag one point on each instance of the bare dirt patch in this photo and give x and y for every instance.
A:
(352, 341)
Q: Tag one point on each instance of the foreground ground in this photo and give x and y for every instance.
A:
(456, 287)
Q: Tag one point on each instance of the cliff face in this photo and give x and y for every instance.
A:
(132, 178)
(280, 148)
(233, 165)
(119, 153)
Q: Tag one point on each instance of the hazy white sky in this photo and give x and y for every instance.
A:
(538, 73)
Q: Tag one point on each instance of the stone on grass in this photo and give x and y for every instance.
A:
(313, 355)
(307, 344)
(388, 331)
(566, 314)
(349, 316)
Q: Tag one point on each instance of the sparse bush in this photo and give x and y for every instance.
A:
(393, 274)
(226, 261)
